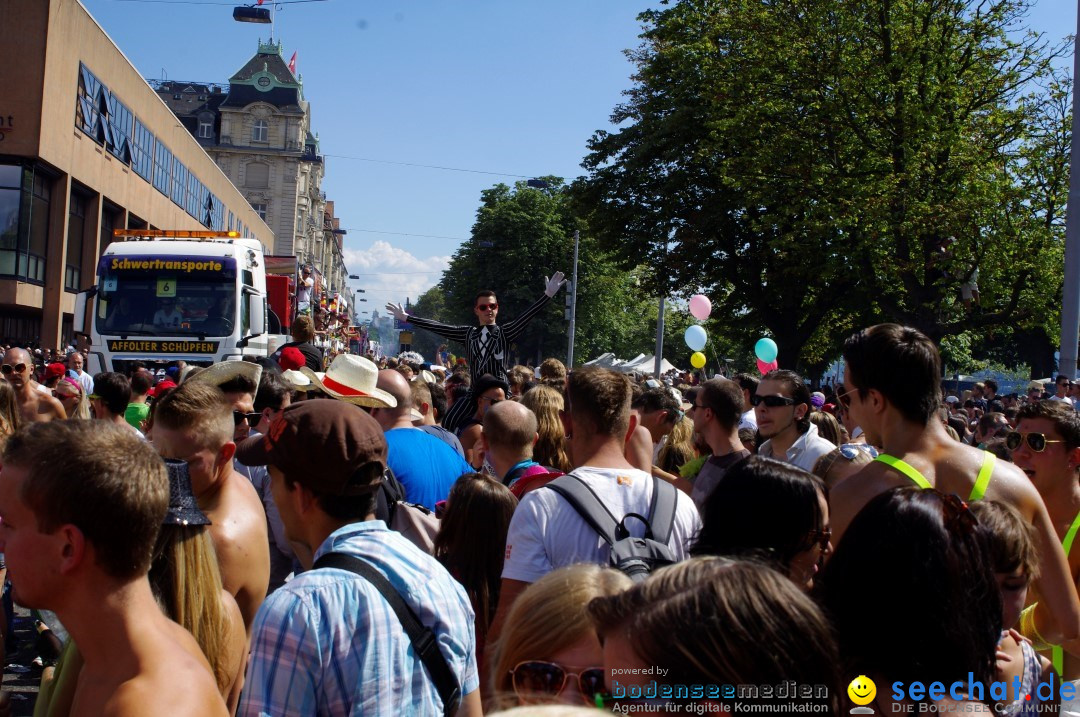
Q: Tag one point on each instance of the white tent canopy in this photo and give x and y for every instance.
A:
(640, 363)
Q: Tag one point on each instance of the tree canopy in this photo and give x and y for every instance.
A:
(816, 166)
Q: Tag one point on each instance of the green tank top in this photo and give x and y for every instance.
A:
(1057, 655)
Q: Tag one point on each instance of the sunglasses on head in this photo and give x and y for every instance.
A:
(772, 401)
(537, 677)
(8, 369)
(485, 307)
(491, 401)
(1035, 441)
(252, 418)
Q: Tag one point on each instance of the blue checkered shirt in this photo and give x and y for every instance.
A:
(327, 643)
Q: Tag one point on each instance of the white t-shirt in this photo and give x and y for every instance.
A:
(547, 533)
(748, 420)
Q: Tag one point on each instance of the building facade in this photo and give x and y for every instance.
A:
(257, 127)
(86, 147)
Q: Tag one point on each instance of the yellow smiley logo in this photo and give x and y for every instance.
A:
(862, 690)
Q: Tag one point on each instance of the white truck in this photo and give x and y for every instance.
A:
(163, 296)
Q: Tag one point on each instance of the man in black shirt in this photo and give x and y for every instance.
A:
(303, 331)
(487, 345)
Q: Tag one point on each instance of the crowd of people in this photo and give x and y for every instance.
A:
(398, 537)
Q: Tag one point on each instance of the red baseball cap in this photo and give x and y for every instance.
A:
(291, 359)
(55, 370)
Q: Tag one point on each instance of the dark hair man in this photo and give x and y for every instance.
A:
(1046, 447)
(782, 407)
(1061, 386)
(487, 346)
(82, 503)
(113, 391)
(317, 636)
(891, 379)
(303, 333)
(716, 411)
(273, 396)
(137, 409)
(546, 532)
(749, 385)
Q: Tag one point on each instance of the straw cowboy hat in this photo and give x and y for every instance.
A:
(351, 378)
(221, 373)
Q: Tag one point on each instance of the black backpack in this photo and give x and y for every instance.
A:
(637, 557)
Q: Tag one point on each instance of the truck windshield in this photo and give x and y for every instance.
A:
(136, 296)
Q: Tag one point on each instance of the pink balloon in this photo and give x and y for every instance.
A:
(766, 367)
(700, 306)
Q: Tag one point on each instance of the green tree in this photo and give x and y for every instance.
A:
(808, 161)
(523, 234)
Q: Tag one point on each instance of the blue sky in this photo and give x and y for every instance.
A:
(500, 86)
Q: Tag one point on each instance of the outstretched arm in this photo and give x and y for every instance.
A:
(454, 333)
(513, 329)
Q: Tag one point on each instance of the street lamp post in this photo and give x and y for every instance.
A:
(573, 305)
(1070, 308)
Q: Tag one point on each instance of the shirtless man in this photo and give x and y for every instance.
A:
(1047, 449)
(195, 423)
(892, 377)
(35, 406)
(62, 483)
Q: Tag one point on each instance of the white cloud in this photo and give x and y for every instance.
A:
(390, 273)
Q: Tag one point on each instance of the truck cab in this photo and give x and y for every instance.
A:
(161, 297)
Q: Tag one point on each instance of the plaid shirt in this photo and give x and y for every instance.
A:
(328, 643)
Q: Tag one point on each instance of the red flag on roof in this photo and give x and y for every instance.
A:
(292, 63)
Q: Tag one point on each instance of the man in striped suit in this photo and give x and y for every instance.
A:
(487, 345)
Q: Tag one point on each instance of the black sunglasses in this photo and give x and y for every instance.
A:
(252, 418)
(1036, 441)
(772, 401)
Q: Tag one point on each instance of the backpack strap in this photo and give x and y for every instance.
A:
(422, 638)
(588, 505)
(662, 510)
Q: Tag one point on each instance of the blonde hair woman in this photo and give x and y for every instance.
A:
(550, 448)
(71, 394)
(186, 581)
(10, 420)
(548, 651)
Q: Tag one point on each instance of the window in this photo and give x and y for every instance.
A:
(142, 151)
(260, 132)
(179, 183)
(206, 128)
(32, 264)
(108, 223)
(76, 227)
(121, 123)
(257, 175)
(88, 105)
(300, 222)
(260, 209)
(195, 200)
(162, 168)
(231, 221)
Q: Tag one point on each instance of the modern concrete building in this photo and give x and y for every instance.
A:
(87, 146)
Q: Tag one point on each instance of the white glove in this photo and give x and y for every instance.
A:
(554, 283)
(398, 311)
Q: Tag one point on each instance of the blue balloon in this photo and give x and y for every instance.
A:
(695, 337)
(766, 350)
